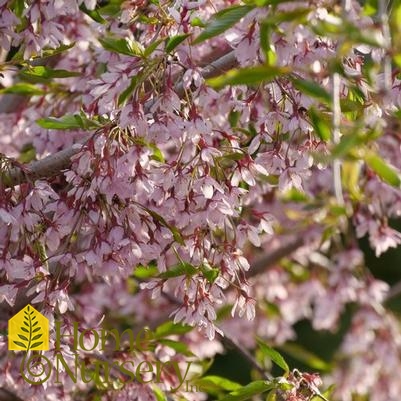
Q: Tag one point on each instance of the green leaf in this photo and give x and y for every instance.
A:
(303, 355)
(248, 76)
(160, 396)
(18, 6)
(217, 382)
(170, 328)
(174, 41)
(144, 272)
(222, 21)
(182, 269)
(174, 231)
(128, 91)
(248, 391)
(123, 46)
(386, 172)
(321, 126)
(210, 273)
(274, 355)
(94, 14)
(21, 88)
(28, 153)
(197, 22)
(42, 74)
(177, 346)
(263, 3)
(151, 48)
(347, 143)
(76, 121)
(36, 344)
(312, 89)
(65, 122)
(299, 15)
(58, 50)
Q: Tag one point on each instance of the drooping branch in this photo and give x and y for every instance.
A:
(54, 164)
(270, 259)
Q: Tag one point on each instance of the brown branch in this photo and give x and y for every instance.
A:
(7, 395)
(266, 261)
(54, 164)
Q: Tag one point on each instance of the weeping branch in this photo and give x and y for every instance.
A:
(54, 164)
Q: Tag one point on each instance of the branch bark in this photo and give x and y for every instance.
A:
(54, 164)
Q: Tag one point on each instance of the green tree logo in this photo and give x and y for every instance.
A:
(28, 330)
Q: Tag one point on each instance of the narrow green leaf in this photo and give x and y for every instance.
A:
(274, 355)
(217, 382)
(160, 396)
(65, 122)
(222, 21)
(197, 22)
(144, 272)
(68, 121)
(151, 48)
(169, 328)
(299, 15)
(182, 269)
(248, 76)
(312, 89)
(248, 391)
(24, 330)
(177, 346)
(210, 273)
(174, 231)
(123, 46)
(174, 41)
(58, 50)
(35, 330)
(321, 126)
(18, 6)
(36, 344)
(263, 3)
(347, 143)
(94, 14)
(22, 88)
(301, 354)
(42, 74)
(28, 153)
(386, 172)
(127, 92)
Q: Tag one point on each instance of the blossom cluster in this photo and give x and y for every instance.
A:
(179, 184)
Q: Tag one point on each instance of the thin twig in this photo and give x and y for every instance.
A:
(387, 84)
(336, 138)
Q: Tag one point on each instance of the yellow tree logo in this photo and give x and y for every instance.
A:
(28, 330)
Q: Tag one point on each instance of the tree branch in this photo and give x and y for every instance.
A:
(54, 164)
(260, 265)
